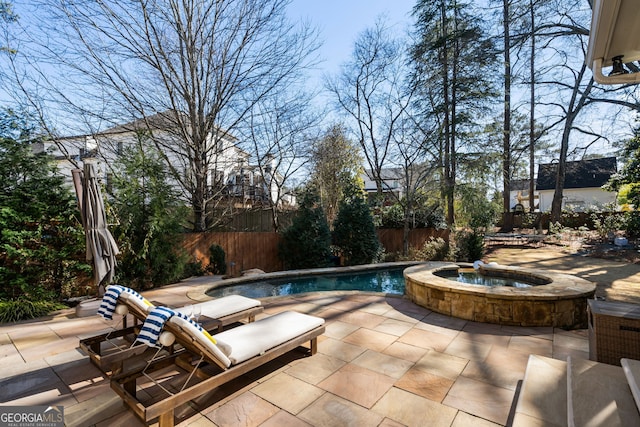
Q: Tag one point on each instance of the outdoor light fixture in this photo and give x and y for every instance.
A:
(615, 33)
(618, 68)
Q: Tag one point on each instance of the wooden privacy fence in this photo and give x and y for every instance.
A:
(243, 250)
(392, 238)
(247, 250)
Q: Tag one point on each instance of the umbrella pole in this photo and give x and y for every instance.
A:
(76, 174)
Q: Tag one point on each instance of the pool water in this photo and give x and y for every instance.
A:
(387, 281)
(475, 278)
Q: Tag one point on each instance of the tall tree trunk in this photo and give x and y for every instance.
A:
(556, 203)
(447, 119)
(275, 218)
(532, 108)
(578, 98)
(405, 235)
(408, 208)
(506, 130)
(454, 101)
(198, 198)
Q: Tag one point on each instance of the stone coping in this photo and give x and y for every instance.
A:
(556, 286)
(199, 293)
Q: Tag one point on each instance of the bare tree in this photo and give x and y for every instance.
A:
(280, 130)
(579, 96)
(376, 94)
(371, 92)
(419, 166)
(575, 107)
(209, 62)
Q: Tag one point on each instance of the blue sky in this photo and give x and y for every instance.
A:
(340, 22)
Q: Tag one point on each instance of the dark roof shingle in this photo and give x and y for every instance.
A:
(592, 173)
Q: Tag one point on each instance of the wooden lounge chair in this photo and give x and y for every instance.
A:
(235, 352)
(108, 351)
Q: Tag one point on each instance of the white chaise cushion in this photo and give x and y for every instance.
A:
(142, 303)
(224, 306)
(252, 339)
(255, 338)
(202, 339)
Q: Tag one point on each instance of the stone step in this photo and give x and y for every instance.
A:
(631, 370)
(599, 396)
(543, 396)
(88, 308)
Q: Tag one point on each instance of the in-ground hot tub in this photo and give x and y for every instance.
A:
(554, 299)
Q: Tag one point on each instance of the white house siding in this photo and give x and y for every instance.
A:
(578, 200)
(109, 146)
(228, 164)
(391, 182)
(73, 148)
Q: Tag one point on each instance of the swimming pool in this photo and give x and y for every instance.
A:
(390, 281)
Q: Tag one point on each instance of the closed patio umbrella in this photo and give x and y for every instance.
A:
(101, 246)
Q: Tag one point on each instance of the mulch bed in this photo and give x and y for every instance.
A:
(627, 254)
(589, 245)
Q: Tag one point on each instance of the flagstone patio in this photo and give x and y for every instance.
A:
(383, 361)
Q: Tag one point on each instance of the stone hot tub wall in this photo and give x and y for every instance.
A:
(558, 300)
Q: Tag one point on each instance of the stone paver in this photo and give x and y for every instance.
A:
(531, 345)
(425, 384)
(357, 384)
(316, 369)
(441, 364)
(473, 350)
(412, 410)
(339, 330)
(426, 339)
(341, 350)
(405, 351)
(465, 420)
(383, 361)
(367, 338)
(480, 398)
(277, 390)
(283, 418)
(331, 410)
(394, 327)
(245, 410)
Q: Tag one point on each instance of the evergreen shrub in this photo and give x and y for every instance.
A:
(217, 263)
(353, 230)
(307, 242)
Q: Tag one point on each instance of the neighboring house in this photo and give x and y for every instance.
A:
(392, 182)
(519, 194)
(582, 187)
(230, 173)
